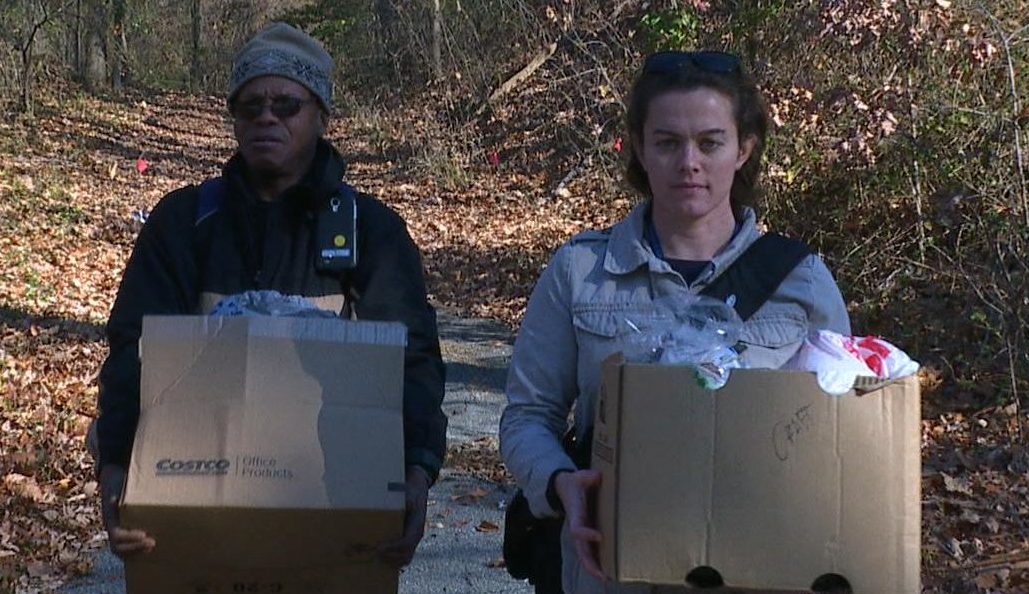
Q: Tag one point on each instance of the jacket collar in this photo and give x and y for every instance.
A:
(627, 250)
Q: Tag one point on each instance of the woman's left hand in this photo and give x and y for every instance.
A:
(577, 490)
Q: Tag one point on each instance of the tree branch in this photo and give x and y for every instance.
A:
(534, 64)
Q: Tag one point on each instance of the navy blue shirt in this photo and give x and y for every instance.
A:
(688, 269)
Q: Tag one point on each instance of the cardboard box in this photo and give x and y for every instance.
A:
(769, 481)
(269, 455)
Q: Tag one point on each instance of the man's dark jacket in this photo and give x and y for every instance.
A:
(179, 261)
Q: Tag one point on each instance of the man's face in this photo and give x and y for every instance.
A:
(277, 123)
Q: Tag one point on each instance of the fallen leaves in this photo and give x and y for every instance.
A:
(24, 487)
(956, 485)
(56, 284)
(975, 512)
(470, 497)
(497, 562)
(481, 459)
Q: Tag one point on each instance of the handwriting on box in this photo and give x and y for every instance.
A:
(786, 433)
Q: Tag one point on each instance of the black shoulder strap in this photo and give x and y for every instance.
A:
(346, 276)
(209, 199)
(757, 273)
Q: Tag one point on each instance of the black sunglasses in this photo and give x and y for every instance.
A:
(282, 107)
(708, 61)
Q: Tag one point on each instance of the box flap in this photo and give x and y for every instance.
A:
(268, 358)
(270, 412)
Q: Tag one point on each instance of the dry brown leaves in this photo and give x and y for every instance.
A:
(975, 503)
(69, 191)
(479, 458)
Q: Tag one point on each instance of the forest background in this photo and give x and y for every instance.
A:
(496, 128)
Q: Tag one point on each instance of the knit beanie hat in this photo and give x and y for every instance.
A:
(282, 50)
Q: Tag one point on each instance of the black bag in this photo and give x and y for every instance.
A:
(532, 546)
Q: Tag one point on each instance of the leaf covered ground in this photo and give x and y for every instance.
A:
(71, 192)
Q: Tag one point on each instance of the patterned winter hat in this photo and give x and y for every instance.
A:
(282, 50)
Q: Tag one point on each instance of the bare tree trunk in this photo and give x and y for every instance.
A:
(105, 55)
(119, 65)
(93, 31)
(26, 77)
(194, 68)
(437, 39)
(80, 63)
(387, 16)
(123, 54)
(27, 57)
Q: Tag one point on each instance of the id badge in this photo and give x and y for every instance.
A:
(337, 233)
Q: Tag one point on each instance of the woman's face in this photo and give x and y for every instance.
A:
(690, 150)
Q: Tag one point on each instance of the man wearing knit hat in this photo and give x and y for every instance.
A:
(261, 226)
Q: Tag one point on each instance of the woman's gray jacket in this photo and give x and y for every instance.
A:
(576, 317)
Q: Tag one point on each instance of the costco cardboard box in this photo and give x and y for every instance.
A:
(269, 455)
(769, 481)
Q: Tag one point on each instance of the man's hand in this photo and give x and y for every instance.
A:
(399, 552)
(576, 490)
(124, 542)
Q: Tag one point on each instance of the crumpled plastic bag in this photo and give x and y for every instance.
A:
(698, 331)
(268, 303)
(838, 360)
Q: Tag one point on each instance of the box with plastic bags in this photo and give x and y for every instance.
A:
(766, 483)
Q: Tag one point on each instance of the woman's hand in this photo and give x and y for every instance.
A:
(578, 490)
(124, 542)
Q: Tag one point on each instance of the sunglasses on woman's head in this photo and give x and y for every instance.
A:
(282, 107)
(708, 61)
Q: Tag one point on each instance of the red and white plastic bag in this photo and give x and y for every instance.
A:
(838, 360)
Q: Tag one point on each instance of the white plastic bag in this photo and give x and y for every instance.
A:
(693, 330)
(839, 360)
